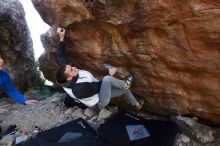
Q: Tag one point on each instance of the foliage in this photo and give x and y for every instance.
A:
(39, 83)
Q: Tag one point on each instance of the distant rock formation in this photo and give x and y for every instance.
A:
(16, 45)
(171, 47)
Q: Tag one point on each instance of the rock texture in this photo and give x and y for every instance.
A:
(15, 44)
(171, 47)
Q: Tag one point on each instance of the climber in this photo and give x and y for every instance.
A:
(7, 86)
(82, 86)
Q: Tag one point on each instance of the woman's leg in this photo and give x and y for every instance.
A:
(106, 88)
(118, 92)
(112, 87)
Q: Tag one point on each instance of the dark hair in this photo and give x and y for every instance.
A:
(60, 75)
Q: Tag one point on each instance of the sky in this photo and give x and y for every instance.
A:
(36, 26)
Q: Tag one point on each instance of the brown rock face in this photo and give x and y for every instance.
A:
(171, 47)
(15, 44)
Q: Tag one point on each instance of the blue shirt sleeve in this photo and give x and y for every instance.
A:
(8, 87)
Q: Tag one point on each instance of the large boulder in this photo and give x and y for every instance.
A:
(16, 45)
(171, 47)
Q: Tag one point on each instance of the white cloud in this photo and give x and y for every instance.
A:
(36, 26)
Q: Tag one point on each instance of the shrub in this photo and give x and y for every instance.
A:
(39, 83)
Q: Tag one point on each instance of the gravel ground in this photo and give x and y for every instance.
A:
(45, 115)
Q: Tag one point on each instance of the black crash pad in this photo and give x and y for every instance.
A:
(159, 133)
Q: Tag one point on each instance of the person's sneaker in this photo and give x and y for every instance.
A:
(141, 103)
(128, 81)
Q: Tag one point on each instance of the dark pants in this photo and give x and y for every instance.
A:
(70, 102)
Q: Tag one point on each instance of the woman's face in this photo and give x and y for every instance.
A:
(1, 63)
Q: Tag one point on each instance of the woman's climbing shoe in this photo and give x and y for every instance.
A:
(141, 103)
(128, 81)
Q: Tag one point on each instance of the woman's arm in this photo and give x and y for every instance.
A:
(61, 57)
(8, 87)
